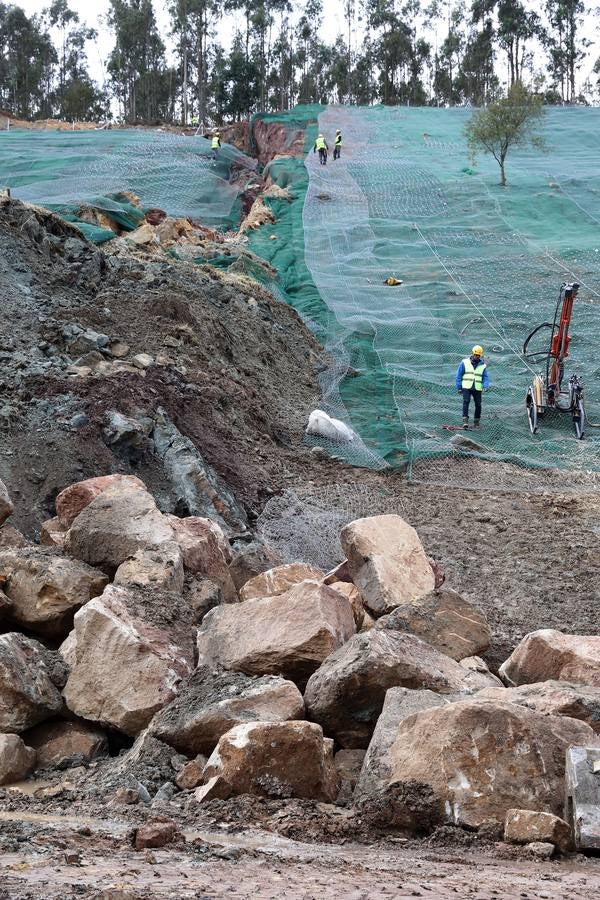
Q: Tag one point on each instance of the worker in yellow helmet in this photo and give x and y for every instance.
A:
(321, 146)
(215, 144)
(337, 144)
(472, 379)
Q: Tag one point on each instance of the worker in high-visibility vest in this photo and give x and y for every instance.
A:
(337, 144)
(472, 379)
(321, 146)
(215, 144)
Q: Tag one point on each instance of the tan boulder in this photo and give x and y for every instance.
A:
(6, 504)
(76, 497)
(157, 833)
(64, 743)
(53, 533)
(153, 567)
(133, 647)
(17, 760)
(345, 695)
(115, 525)
(275, 759)
(351, 592)
(213, 701)
(288, 635)
(349, 764)
(525, 826)
(46, 589)
(67, 650)
(477, 664)
(387, 562)
(473, 760)
(28, 694)
(547, 655)
(190, 774)
(279, 580)
(205, 551)
(201, 595)
(553, 698)
(443, 619)
(12, 537)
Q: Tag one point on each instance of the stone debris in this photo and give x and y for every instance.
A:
(551, 655)
(213, 701)
(289, 635)
(445, 620)
(158, 832)
(387, 562)
(28, 692)
(345, 695)
(275, 759)
(16, 759)
(525, 826)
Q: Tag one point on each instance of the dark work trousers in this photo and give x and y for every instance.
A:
(323, 156)
(467, 393)
(337, 151)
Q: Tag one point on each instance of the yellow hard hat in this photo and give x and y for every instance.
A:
(477, 350)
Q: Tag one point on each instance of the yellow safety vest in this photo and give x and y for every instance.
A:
(320, 144)
(216, 143)
(473, 376)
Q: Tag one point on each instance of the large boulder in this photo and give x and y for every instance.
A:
(17, 760)
(387, 562)
(115, 525)
(132, 649)
(12, 537)
(62, 744)
(213, 701)
(523, 826)
(547, 655)
(582, 796)
(205, 551)
(46, 589)
(399, 704)
(473, 760)
(28, 692)
(75, 498)
(443, 619)
(275, 759)
(250, 559)
(345, 695)
(153, 567)
(553, 698)
(6, 504)
(279, 580)
(288, 635)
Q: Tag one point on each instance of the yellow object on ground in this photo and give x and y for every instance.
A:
(392, 281)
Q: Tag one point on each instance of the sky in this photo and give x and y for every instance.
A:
(333, 24)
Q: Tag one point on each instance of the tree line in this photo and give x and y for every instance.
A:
(441, 52)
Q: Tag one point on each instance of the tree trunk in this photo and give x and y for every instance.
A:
(502, 173)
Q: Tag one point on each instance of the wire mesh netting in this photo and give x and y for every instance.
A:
(62, 170)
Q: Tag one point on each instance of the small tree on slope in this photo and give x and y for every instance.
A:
(510, 122)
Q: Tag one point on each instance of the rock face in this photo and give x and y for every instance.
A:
(400, 703)
(288, 635)
(279, 580)
(475, 759)
(133, 647)
(387, 562)
(205, 551)
(443, 619)
(154, 567)
(76, 497)
(65, 744)
(270, 759)
(6, 506)
(46, 590)
(551, 655)
(115, 525)
(345, 695)
(28, 694)
(213, 701)
(17, 760)
(352, 594)
(524, 826)
(553, 698)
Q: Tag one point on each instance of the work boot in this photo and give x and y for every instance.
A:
(476, 423)
(465, 421)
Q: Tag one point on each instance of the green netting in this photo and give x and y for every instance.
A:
(63, 170)
(479, 264)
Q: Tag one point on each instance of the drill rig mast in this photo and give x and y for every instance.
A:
(546, 390)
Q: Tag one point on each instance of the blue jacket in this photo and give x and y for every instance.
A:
(485, 380)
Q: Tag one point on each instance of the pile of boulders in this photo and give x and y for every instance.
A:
(364, 685)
